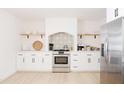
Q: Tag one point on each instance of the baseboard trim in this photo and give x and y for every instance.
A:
(1, 80)
(52, 71)
(87, 71)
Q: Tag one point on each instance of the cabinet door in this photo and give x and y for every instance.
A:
(35, 64)
(93, 62)
(47, 62)
(75, 62)
(75, 65)
(27, 61)
(20, 62)
(89, 62)
(83, 62)
(96, 60)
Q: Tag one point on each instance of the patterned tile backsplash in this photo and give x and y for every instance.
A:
(62, 39)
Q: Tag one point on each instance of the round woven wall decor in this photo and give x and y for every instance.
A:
(37, 45)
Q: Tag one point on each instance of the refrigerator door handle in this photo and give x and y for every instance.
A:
(106, 51)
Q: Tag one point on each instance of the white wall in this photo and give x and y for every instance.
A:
(110, 14)
(54, 25)
(32, 26)
(10, 27)
(35, 26)
(90, 27)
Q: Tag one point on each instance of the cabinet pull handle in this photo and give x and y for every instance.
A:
(75, 55)
(89, 60)
(88, 54)
(98, 60)
(42, 60)
(75, 60)
(33, 54)
(75, 66)
(33, 60)
(23, 59)
(46, 54)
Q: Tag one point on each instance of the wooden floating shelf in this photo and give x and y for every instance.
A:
(32, 34)
(89, 34)
(28, 35)
(82, 35)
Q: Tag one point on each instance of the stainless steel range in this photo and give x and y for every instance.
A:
(61, 61)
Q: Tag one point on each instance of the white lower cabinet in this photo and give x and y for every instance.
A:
(85, 61)
(93, 60)
(34, 61)
(75, 62)
(78, 62)
(47, 62)
(42, 61)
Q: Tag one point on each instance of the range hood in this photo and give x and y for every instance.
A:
(55, 25)
(67, 25)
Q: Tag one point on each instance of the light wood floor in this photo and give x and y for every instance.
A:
(53, 78)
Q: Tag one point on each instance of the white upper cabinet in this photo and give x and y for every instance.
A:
(114, 13)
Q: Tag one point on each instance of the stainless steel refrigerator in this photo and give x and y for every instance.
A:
(112, 52)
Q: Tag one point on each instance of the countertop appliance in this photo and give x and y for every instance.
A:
(51, 45)
(112, 52)
(61, 61)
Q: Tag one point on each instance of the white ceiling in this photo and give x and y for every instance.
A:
(40, 13)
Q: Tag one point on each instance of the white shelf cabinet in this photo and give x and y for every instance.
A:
(28, 61)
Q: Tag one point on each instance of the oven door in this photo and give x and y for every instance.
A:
(61, 61)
